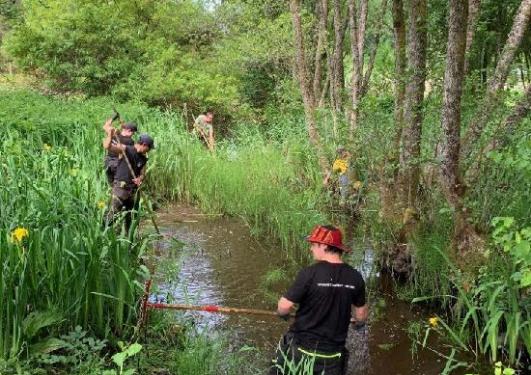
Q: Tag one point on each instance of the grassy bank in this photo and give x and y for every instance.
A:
(59, 269)
(62, 271)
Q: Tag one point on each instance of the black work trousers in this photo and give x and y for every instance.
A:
(294, 359)
(110, 164)
(124, 199)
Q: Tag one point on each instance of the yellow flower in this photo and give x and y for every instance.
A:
(46, 147)
(18, 234)
(73, 172)
(434, 321)
(340, 165)
(356, 185)
(101, 204)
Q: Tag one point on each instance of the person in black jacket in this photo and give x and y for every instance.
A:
(330, 296)
(129, 174)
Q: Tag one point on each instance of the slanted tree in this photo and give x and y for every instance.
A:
(497, 81)
(503, 133)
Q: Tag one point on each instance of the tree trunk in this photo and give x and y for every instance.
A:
(357, 68)
(389, 171)
(465, 235)
(399, 30)
(473, 15)
(324, 91)
(372, 56)
(320, 48)
(304, 83)
(357, 22)
(497, 81)
(451, 110)
(337, 80)
(414, 96)
(362, 26)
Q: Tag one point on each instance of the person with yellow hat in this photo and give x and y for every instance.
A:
(330, 296)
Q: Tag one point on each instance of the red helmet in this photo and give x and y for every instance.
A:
(327, 235)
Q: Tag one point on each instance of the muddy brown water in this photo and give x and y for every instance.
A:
(222, 264)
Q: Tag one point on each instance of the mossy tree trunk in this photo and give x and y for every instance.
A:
(413, 102)
(320, 50)
(465, 236)
(337, 71)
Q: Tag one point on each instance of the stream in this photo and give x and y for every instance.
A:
(220, 263)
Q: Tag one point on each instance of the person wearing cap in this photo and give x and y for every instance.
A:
(203, 126)
(330, 296)
(129, 175)
(112, 159)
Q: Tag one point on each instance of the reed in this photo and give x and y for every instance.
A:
(276, 189)
(63, 263)
(54, 189)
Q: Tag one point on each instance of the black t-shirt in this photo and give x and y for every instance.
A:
(325, 293)
(128, 141)
(137, 160)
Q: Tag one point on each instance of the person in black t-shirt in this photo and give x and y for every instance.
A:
(129, 174)
(113, 158)
(330, 295)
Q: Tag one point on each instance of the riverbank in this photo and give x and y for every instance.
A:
(52, 198)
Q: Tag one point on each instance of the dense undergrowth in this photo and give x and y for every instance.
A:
(62, 271)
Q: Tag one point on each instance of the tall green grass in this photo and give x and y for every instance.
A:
(266, 183)
(53, 186)
(67, 271)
